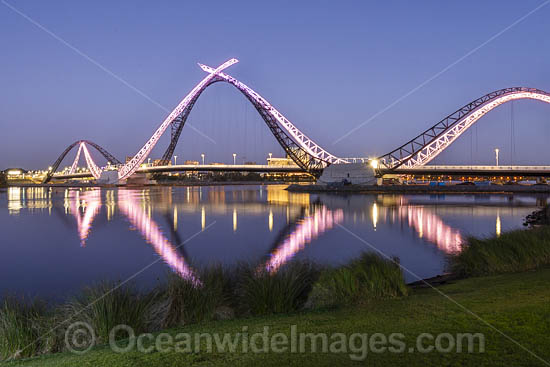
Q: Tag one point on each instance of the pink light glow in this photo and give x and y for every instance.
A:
(432, 150)
(299, 137)
(307, 230)
(129, 168)
(77, 158)
(430, 226)
(151, 232)
(94, 169)
(91, 201)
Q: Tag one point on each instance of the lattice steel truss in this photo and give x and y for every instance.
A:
(82, 146)
(302, 150)
(426, 146)
(302, 157)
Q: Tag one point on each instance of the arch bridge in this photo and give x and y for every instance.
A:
(307, 154)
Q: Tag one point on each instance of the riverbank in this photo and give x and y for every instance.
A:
(514, 304)
(422, 189)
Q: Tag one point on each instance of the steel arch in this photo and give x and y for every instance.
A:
(101, 150)
(297, 153)
(430, 143)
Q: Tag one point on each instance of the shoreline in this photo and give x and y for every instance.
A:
(422, 189)
(425, 310)
(177, 184)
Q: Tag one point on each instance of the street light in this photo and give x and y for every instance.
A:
(148, 161)
(202, 156)
(496, 154)
(234, 158)
(175, 160)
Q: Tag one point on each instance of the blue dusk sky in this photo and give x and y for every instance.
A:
(328, 66)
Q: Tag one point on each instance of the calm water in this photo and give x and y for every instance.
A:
(55, 241)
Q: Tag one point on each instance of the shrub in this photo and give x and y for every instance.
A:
(368, 277)
(107, 305)
(22, 325)
(184, 301)
(511, 252)
(259, 292)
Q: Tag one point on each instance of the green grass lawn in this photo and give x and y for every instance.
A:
(516, 304)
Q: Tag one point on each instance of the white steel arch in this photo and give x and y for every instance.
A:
(94, 169)
(129, 168)
(299, 137)
(434, 148)
(77, 158)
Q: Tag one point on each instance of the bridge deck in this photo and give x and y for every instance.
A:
(202, 168)
(489, 171)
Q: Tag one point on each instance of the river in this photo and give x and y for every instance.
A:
(57, 240)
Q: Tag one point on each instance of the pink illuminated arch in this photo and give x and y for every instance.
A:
(428, 145)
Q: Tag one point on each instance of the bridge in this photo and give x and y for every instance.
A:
(411, 157)
(259, 168)
(471, 171)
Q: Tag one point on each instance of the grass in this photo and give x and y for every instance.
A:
(107, 304)
(366, 287)
(259, 292)
(368, 277)
(515, 304)
(243, 291)
(183, 302)
(513, 251)
(22, 322)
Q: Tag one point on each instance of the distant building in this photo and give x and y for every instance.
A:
(161, 162)
(281, 162)
(191, 173)
(286, 162)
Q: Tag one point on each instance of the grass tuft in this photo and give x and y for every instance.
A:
(107, 305)
(513, 251)
(259, 292)
(184, 302)
(368, 277)
(22, 324)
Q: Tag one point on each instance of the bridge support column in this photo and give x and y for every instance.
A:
(355, 173)
(108, 178)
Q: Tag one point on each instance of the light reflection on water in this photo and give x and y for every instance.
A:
(263, 224)
(429, 225)
(141, 220)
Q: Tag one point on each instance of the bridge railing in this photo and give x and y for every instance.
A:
(356, 160)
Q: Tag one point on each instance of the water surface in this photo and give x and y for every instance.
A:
(56, 240)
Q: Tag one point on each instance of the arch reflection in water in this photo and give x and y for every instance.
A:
(431, 227)
(90, 200)
(150, 231)
(307, 229)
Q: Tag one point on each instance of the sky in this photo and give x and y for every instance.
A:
(328, 66)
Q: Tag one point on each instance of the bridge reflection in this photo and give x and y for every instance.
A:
(306, 229)
(307, 216)
(151, 232)
(90, 201)
(430, 226)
